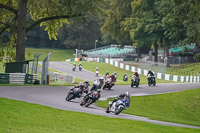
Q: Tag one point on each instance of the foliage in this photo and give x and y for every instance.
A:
(180, 107)
(150, 22)
(197, 57)
(80, 35)
(18, 17)
(116, 14)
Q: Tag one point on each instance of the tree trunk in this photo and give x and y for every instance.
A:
(155, 50)
(138, 52)
(166, 47)
(21, 31)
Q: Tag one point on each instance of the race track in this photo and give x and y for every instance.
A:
(55, 97)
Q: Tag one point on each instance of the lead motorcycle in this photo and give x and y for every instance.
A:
(77, 91)
(151, 80)
(118, 106)
(90, 98)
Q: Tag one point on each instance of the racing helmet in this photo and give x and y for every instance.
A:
(81, 83)
(86, 82)
(101, 80)
(127, 94)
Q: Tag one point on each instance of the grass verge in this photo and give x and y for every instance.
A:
(57, 55)
(179, 107)
(17, 116)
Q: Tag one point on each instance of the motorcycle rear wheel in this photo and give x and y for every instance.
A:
(107, 110)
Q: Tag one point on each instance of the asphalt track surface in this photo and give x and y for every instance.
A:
(55, 97)
(67, 68)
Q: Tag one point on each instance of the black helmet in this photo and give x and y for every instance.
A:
(86, 81)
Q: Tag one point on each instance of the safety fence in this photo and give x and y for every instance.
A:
(58, 78)
(164, 76)
(17, 78)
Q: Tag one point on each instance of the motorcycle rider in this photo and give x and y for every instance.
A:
(96, 87)
(110, 81)
(136, 76)
(74, 66)
(121, 96)
(113, 79)
(97, 84)
(125, 77)
(97, 71)
(107, 74)
(115, 74)
(80, 65)
(83, 86)
(151, 74)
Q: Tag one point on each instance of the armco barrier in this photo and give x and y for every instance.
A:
(17, 78)
(191, 79)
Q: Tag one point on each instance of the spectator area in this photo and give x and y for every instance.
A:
(180, 49)
(110, 51)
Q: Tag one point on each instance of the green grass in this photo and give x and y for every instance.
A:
(57, 55)
(192, 69)
(180, 107)
(17, 116)
(103, 68)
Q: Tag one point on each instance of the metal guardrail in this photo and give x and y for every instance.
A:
(17, 78)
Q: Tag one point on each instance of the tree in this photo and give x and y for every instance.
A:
(113, 26)
(144, 25)
(49, 13)
(80, 35)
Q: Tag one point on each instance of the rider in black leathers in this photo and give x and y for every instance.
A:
(96, 87)
(151, 74)
(83, 86)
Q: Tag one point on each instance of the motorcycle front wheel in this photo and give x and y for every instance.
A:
(119, 111)
(69, 97)
(90, 101)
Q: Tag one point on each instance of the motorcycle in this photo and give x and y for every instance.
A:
(97, 73)
(77, 92)
(80, 68)
(125, 78)
(90, 98)
(135, 81)
(73, 68)
(108, 84)
(151, 80)
(118, 106)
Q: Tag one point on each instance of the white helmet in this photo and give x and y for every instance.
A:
(127, 94)
(101, 79)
